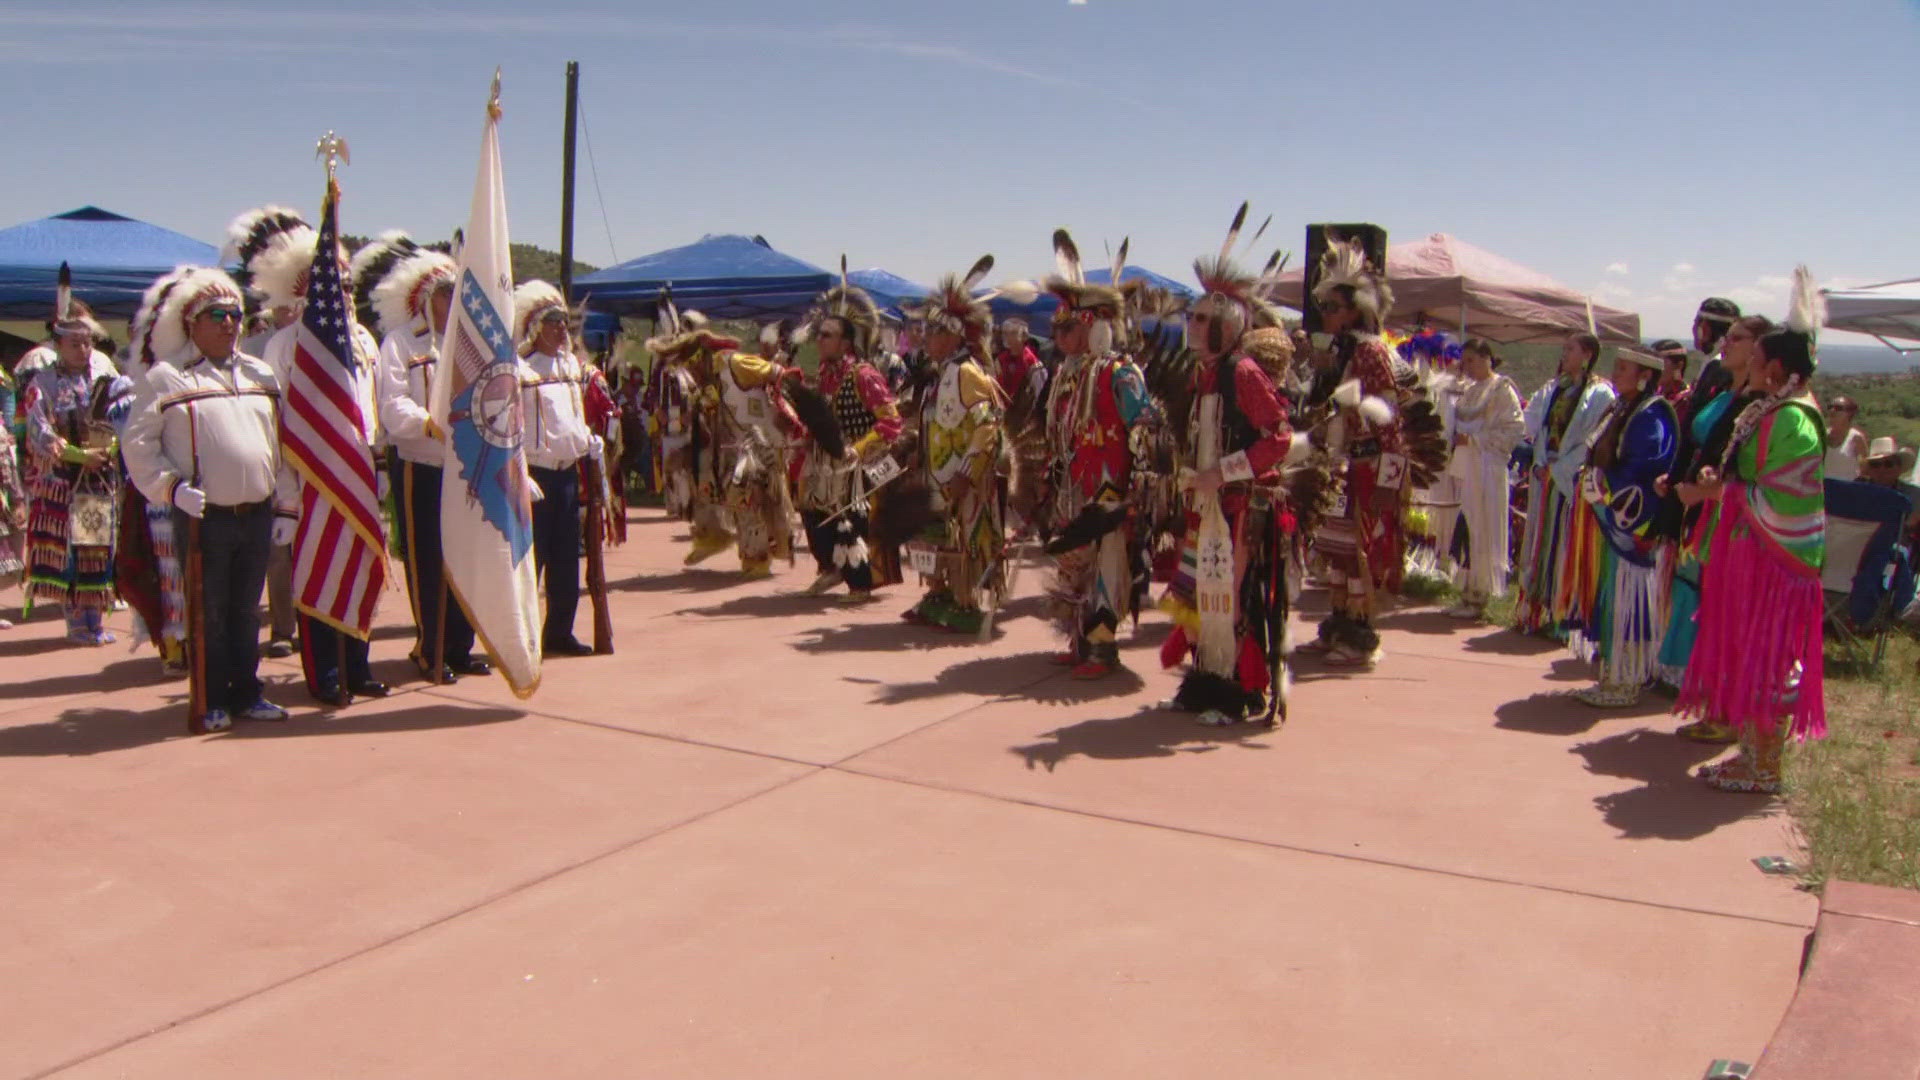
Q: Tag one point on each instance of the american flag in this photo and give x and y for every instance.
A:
(339, 552)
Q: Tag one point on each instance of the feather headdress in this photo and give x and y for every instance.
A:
(678, 334)
(531, 302)
(170, 304)
(370, 265)
(952, 306)
(274, 246)
(1345, 265)
(399, 299)
(71, 315)
(1102, 305)
(844, 301)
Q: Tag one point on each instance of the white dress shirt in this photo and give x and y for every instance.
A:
(556, 433)
(405, 381)
(214, 426)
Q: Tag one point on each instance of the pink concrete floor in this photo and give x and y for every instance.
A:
(775, 836)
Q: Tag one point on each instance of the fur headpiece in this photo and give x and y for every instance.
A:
(161, 331)
(531, 302)
(1345, 263)
(400, 297)
(849, 302)
(952, 306)
(274, 246)
(370, 265)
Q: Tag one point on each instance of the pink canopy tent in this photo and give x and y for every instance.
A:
(1452, 285)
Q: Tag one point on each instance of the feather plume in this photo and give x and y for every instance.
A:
(1807, 311)
(1347, 394)
(1120, 262)
(1375, 410)
(1021, 292)
(1066, 257)
(63, 294)
(1260, 232)
(817, 416)
(981, 268)
(1233, 234)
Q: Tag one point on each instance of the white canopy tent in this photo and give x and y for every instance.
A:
(1889, 311)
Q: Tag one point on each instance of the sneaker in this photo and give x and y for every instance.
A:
(279, 648)
(214, 720)
(263, 710)
(1464, 610)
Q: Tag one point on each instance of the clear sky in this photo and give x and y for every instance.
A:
(1649, 152)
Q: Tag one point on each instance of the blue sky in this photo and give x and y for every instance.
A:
(1651, 153)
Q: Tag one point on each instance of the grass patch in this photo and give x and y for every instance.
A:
(1855, 795)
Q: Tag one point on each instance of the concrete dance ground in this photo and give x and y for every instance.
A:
(776, 836)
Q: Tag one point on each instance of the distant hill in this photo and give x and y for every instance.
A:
(530, 261)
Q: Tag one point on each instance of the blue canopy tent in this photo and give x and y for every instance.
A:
(887, 289)
(722, 277)
(114, 259)
(1039, 314)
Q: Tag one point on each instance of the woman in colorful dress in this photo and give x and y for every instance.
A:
(1757, 663)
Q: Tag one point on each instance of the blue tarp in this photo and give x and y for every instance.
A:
(887, 289)
(722, 277)
(114, 259)
(1039, 314)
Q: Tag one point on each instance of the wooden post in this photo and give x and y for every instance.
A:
(566, 182)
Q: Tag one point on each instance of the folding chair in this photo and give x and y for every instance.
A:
(1863, 530)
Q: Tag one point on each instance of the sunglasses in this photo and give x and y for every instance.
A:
(222, 314)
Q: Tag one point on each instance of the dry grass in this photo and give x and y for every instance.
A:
(1855, 795)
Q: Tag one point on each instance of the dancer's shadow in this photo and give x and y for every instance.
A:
(1420, 621)
(693, 580)
(1570, 669)
(1025, 677)
(1151, 732)
(1671, 804)
(349, 721)
(1509, 642)
(885, 636)
(120, 675)
(1562, 714)
(765, 604)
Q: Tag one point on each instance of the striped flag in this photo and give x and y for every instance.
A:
(339, 552)
(486, 506)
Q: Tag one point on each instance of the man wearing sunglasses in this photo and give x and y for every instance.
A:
(205, 441)
(557, 438)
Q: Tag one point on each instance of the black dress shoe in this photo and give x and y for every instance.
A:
(330, 693)
(568, 647)
(470, 665)
(371, 688)
(448, 674)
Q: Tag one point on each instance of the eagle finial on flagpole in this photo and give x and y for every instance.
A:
(493, 96)
(333, 149)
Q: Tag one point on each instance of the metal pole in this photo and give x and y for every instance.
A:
(566, 182)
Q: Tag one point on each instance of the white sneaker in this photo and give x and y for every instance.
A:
(263, 710)
(215, 720)
(1464, 610)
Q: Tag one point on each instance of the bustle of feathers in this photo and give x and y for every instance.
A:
(274, 246)
(817, 416)
(1425, 438)
(399, 298)
(1312, 490)
(906, 509)
(531, 301)
(172, 301)
(371, 264)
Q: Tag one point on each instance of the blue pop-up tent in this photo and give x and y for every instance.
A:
(722, 277)
(113, 258)
(888, 290)
(1039, 314)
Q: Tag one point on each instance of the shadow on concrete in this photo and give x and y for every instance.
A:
(695, 580)
(1421, 621)
(1024, 677)
(1506, 641)
(889, 636)
(1671, 804)
(771, 604)
(1149, 733)
(89, 731)
(1571, 669)
(1560, 713)
(21, 642)
(120, 675)
(353, 721)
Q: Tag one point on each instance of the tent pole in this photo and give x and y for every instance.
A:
(566, 182)
(1463, 320)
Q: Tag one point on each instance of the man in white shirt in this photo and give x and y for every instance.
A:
(410, 290)
(557, 437)
(205, 441)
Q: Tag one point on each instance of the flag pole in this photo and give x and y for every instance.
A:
(333, 148)
(566, 182)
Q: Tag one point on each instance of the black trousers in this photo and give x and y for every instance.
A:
(556, 548)
(234, 545)
(416, 499)
(321, 647)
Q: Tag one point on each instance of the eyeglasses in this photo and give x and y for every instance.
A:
(222, 314)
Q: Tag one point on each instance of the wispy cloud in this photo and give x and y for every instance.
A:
(1618, 268)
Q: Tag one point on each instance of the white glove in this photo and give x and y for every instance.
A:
(596, 447)
(283, 530)
(190, 500)
(534, 487)
(382, 484)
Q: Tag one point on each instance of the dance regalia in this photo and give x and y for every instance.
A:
(742, 478)
(960, 428)
(1488, 416)
(1229, 597)
(1559, 557)
(671, 395)
(1691, 549)
(603, 415)
(1104, 400)
(1361, 541)
(870, 422)
(72, 516)
(1629, 616)
(1757, 659)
